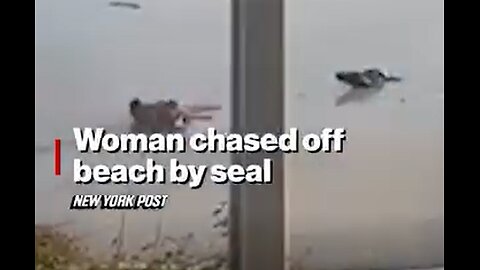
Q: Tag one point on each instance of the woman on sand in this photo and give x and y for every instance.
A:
(166, 116)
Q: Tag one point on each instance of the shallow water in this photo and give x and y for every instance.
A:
(378, 203)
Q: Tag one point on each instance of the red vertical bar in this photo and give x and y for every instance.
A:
(57, 157)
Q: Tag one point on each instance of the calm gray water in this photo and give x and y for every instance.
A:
(379, 203)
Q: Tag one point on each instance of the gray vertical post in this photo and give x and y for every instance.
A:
(257, 212)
